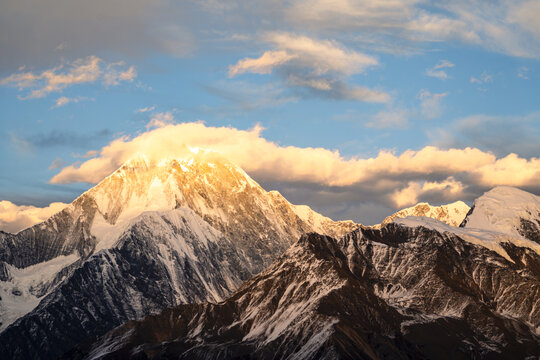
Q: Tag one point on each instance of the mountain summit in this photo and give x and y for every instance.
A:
(451, 214)
(153, 234)
(507, 210)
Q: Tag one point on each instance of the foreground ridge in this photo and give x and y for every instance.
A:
(397, 292)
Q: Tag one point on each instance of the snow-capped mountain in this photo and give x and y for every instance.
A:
(397, 292)
(451, 214)
(149, 236)
(502, 216)
(507, 210)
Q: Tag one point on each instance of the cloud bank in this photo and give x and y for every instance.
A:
(395, 179)
(14, 218)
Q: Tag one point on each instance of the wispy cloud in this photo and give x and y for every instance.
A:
(261, 65)
(135, 27)
(318, 66)
(146, 109)
(482, 79)
(57, 164)
(437, 71)
(430, 104)
(495, 133)
(81, 71)
(56, 138)
(388, 119)
(160, 120)
(506, 27)
(20, 144)
(64, 100)
(523, 73)
(245, 95)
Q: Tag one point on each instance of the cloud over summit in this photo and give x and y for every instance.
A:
(393, 177)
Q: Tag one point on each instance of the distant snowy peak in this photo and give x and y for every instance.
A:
(507, 210)
(451, 214)
(503, 215)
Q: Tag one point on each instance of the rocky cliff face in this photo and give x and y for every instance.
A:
(150, 236)
(397, 292)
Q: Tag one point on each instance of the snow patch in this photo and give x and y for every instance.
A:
(18, 297)
(489, 239)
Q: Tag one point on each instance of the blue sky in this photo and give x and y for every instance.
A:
(356, 77)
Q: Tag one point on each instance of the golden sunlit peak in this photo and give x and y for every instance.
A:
(186, 155)
(194, 150)
(138, 158)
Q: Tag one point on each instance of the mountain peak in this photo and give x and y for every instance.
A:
(451, 214)
(203, 180)
(507, 210)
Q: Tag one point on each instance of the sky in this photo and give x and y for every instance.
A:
(356, 108)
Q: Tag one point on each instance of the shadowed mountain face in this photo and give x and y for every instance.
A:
(397, 292)
(150, 236)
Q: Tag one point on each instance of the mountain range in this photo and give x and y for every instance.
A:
(198, 261)
(149, 236)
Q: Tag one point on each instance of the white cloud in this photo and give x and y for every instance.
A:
(437, 72)
(14, 218)
(81, 71)
(430, 104)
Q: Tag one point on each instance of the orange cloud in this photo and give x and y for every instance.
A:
(270, 161)
(14, 218)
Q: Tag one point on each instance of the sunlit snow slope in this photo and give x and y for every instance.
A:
(451, 214)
